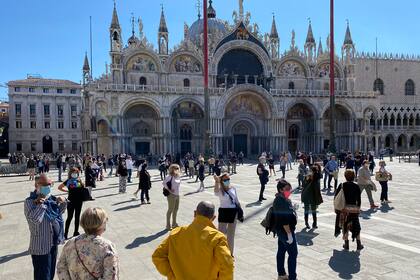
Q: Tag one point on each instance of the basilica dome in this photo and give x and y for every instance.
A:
(215, 27)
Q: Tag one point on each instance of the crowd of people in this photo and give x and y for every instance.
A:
(201, 244)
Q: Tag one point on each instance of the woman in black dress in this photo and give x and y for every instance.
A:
(348, 218)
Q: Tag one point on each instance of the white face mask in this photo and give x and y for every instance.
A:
(75, 175)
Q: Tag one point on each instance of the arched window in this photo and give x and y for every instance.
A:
(143, 81)
(115, 36)
(409, 87)
(378, 85)
(186, 83)
(291, 85)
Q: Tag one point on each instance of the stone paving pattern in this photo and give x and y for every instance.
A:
(390, 234)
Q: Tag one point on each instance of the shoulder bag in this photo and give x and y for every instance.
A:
(166, 192)
(340, 200)
(83, 264)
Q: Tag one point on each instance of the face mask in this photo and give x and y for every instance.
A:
(45, 190)
(226, 183)
(287, 194)
(74, 175)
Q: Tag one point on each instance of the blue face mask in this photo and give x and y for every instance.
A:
(45, 190)
(74, 175)
(226, 183)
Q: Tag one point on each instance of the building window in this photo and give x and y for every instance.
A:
(17, 89)
(33, 147)
(73, 91)
(18, 124)
(291, 85)
(60, 110)
(59, 90)
(47, 110)
(143, 81)
(409, 87)
(61, 146)
(45, 90)
(378, 85)
(47, 125)
(33, 124)
(73, 125)
(60, 125)
(74, 146)
(31, 89)
(32, 110)
(73, 111)
(18, 110)
(186, 83)
(19, 147)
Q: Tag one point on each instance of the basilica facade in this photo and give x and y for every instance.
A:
(151, 99)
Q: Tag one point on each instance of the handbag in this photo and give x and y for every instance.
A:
(166, 192)
(227, 215)
(83, 264)
(340, 200)
(85, 194)
(381, 176)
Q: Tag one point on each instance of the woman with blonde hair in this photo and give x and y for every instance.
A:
(89, 256)
(171, 184)
(383, 178)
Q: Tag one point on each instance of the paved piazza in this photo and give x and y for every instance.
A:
(390, 234)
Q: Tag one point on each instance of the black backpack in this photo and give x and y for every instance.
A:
(269, 222)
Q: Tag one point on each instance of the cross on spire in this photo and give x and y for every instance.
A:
(132, 23)
(198, 6)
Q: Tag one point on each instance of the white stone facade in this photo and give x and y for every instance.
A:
(44, 116)
(152, 100)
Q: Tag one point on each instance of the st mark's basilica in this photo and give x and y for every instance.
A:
(151, 98)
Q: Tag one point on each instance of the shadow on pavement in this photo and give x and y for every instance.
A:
(252, 204)
(305, 237)
(145, 239)
(128, 207)
(385, 208)
(345, 263)
(6, 258)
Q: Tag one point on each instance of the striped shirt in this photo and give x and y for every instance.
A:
(40, 228)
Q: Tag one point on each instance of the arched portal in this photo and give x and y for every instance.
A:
(343, 128)
(47, 144)
(402, 143)
(415, 142)
(104, 140)
(239, 66)
(141, 129)
(188, 125)
(246, 117)
(389, 141)
(301, 128)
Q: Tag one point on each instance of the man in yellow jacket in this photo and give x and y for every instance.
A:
(195, 252)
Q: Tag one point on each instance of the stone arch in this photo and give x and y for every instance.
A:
(257, 91)
(342, 104)
(320, 70)
(389, 141)
(245, 45)
(402, 142)
(133, 101)
(97, 104)
(182, 99)
(301, 126)
(292, 59)
(415, 142)
(170, 64)
(132, 55)
(305, 103)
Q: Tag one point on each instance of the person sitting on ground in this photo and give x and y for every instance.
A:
(89, 256)
(197, 251)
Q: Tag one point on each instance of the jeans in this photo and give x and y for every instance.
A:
(368, 189)
(384, 191)
(292, 251)
(73, 208)
(60, 171)
(44, 265)
(283, 171)
(144, 193)
(262, 191)
(111, 168)
(130, 171)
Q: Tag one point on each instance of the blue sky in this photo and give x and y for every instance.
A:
(50, 37)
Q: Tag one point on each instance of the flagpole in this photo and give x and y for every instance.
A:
(206, 82)
(332, 146)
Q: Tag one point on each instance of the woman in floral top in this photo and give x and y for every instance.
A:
(89, 256)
